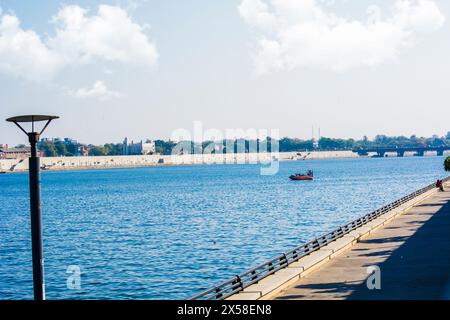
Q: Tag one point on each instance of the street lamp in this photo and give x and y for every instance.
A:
(35, 199)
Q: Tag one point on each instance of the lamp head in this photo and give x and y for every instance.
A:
(32, 119)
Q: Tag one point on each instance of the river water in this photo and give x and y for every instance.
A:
(171, 232)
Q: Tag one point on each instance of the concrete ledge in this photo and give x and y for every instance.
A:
(283, 277)
(340, 245)
(376, 223)
(272, 285)
(360, 233)
(312, 259)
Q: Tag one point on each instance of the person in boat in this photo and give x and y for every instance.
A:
(309, 173)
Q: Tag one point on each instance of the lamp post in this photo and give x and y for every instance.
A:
(35, 199)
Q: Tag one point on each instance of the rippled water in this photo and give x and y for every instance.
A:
(170, 232)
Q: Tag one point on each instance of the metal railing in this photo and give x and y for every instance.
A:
(256, 274)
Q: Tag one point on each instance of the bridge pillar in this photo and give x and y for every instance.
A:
(381, 154)
(400, 154)
(420, 153)
(440, 152)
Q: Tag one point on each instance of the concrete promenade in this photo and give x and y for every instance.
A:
(412, 252)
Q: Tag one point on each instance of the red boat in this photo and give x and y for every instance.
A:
(302, 177)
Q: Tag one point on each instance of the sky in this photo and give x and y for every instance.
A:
(145, 69)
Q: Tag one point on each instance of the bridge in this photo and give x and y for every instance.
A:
(419, 151)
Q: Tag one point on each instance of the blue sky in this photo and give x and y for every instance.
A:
(143, 69)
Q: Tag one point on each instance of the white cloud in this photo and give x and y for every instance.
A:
(109, 35)
(300, 33)
(22, 52)
(98, 91)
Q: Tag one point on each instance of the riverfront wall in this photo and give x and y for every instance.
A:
(106, 162)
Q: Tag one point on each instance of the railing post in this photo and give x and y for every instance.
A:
(284, 257)
(218, 293)
(240, 282)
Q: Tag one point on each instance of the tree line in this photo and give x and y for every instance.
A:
(288, 144)
(54, 148)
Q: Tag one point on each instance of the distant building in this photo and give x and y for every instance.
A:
(141, 148)
(83, 151)
(315, 144)
(14, 153)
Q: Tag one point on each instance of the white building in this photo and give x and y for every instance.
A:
(140, 148)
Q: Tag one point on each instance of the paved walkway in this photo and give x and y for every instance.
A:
(412, 252)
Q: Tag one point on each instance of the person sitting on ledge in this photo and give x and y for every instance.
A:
(439, 185)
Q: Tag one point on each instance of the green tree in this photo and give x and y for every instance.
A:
(333, 144)
(48, 148)
(291, 145)
(113, 149)
(97, 151)
(447, 164)
(72, 149)
(61, 148)
(164, 147)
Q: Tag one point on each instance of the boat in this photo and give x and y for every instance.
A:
(302, 177)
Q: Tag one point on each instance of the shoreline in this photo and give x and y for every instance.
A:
(122, 162)
(154, 166)
(126, 162)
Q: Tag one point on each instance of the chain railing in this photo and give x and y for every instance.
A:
(256, 274)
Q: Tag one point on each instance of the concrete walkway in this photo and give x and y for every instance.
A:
(412, 252)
